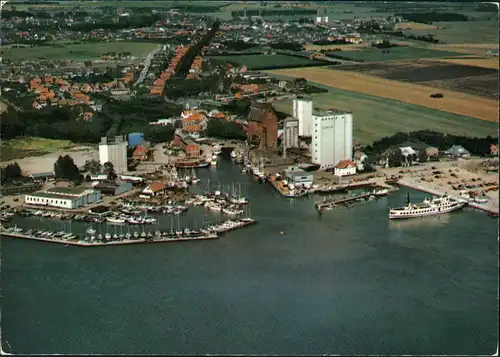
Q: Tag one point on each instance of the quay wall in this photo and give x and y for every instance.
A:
(485, 207)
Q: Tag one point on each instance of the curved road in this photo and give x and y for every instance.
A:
(147, 63)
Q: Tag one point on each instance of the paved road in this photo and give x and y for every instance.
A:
(147, 63)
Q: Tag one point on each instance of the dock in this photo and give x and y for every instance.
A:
(320, 205)
(101, 244)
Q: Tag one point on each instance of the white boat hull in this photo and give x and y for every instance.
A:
(432, 211)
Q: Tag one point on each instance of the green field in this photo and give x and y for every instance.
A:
(464, 31)
(376, 117)
(371, 54)
(255, 62)
(30, 146)
(80, 52)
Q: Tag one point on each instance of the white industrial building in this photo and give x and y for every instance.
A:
(331, 138)
(115, 152)
(63, 197)
(302, 110)
(291, 133)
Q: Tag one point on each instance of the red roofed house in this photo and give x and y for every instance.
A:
(345, 168)
(155, 188)
(494, 149)
(140, 152)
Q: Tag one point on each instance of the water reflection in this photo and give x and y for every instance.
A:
(439, 220)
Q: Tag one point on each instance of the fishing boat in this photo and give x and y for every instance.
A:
(237, 199)
(194, 178)
(436, 205)
(480, 200)
(217, 149)
(232, 211)
(191, 164)
(115, 220)
(233, 154)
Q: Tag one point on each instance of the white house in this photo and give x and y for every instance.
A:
(360, 159)
(345, 168)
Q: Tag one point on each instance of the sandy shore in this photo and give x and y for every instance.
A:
(45, 163)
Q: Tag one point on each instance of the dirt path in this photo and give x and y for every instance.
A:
(453, 102)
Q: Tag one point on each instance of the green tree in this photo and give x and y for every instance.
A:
(109, 170)
(396, 158)
(92, 166)
(65, 168)
(10, 172)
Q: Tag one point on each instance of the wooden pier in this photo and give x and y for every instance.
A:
(320, 205)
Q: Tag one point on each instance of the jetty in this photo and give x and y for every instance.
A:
(328, 203)
(211, 232)
(121, 242)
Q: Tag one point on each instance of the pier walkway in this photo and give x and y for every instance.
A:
(320, 205)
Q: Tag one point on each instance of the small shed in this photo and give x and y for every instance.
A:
(457, 151)
(42, 176)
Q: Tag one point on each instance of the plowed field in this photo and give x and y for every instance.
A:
(453, 102)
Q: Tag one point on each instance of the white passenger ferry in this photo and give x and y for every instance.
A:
(436, 205)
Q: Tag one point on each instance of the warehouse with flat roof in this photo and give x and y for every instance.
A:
(64, 197)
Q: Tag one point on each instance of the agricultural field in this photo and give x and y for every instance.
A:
(471, 61)
(79, 52)
(257, 62)
(470, 79)
(464, 32)
(30, 146)
(453, 102)
(372, 54)
(376, 117)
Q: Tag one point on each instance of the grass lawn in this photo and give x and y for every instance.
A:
(371, 54)
(376, 117)
(30, 146)
(254, 62)
(81, 52)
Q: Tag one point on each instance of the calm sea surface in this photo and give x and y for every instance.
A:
(349, 282)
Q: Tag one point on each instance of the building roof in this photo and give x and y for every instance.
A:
(457, 149)
(343, 164)
(67, 190)
(42, 174)
(258, 110)
(298, 173)
(157, 186)
(42, 194)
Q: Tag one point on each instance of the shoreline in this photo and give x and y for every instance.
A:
(421, 188)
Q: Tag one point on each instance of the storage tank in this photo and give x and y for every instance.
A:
(135, 139)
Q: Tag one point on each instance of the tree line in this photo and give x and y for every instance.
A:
(280, 12)
(441, 141)
(116, 118)
(430, 17)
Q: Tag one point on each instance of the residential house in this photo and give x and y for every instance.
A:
(360, 160)
(194, 124)
(345, 168)
(156, 188)
(263, 125)
(431, 151)
(141, 152)
(494, 149)
(457, 151)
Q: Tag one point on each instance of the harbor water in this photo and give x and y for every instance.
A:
(347, 282)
